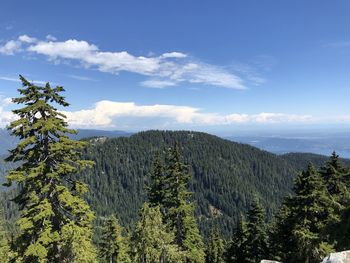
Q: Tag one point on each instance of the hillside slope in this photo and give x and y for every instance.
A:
(301, 160)
(225, 174)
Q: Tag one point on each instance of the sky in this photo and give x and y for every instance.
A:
(218, 66)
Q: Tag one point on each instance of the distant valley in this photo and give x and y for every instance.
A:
(317, 143)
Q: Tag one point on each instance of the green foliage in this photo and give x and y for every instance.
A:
(279, 236)
(305, 219)
(55, 221)
(157, 188)
(237, 249)
(256, 243)
(215, 248)
(5, 252)
(225, 175)
(113, 246)
(179, 210)
(152, 241)
(336, 179)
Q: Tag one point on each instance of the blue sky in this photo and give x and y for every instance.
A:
(202, 65)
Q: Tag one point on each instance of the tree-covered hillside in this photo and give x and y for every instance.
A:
(301, 160)
(226, 175)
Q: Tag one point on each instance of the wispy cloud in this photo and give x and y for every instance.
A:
(83, 78)
(40, 82)
(158, 84)
(339, 44)
(51, 37)
(171, 67)
(9, 27)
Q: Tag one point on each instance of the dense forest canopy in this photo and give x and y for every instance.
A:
(225, 174)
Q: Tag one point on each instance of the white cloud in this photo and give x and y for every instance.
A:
(14, 46)
(38, 82)
(5, 116)
(174, 55)
(120, 115)
(84, 78)
(169, 68)
(156, 83)
(110, 114)
(51, 37)
(10, 79)
(10, 47)
(27, 39)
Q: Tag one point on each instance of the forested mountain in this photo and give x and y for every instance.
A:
(301, 160)
(226, 175)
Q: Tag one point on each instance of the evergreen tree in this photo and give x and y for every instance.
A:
(237, 250)
(180, 211)
(335, 176)
(256, 243)
(281, 243)
(156, 190)
(4, 243)
(305, 220)
(113, 246)
(215, 249)
(55, 221)
(152, 242)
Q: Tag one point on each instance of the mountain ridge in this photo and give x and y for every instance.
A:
(226, 174)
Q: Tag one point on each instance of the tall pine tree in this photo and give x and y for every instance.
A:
(179, 209)
(256, 243)
(215, 248)
(305, 220)
(335, 177)
(55, 222)
(280, 240)
(237, 249)
(152, 242)
(4, 242)
(156, 189)
(113, 246)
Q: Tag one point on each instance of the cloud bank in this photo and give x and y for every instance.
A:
(165, 70)
(110, 114)
(115, 115)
